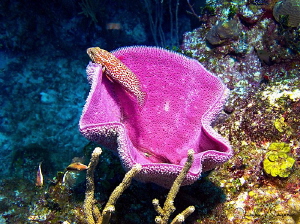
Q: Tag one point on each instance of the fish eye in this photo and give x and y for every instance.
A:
(89, 51)
(91, 54)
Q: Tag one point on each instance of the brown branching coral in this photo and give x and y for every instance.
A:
(92, 212)
(169, 208)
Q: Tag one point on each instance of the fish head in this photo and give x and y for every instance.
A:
(98, 55)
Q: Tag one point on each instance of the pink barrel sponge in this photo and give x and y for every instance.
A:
(182, 100)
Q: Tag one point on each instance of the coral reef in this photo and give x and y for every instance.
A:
(42, 86)
(253, 195)
(287, 12)
(223, 32)
(262, 73)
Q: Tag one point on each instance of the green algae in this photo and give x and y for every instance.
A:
(277, 162)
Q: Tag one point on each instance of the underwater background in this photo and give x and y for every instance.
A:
(252, 46)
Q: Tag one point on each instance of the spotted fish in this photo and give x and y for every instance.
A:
(118, 72)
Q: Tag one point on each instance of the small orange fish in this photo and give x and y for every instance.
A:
(117, 71)
(113, 26)
(77, 167)
(39, 177)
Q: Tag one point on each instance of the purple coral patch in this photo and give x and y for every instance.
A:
(183, 98)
